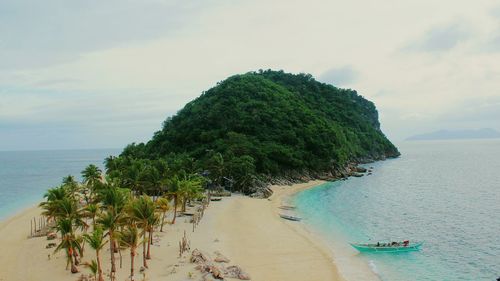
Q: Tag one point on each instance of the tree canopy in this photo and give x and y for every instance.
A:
(269, 123)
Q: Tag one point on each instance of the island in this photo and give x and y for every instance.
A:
(176, 207)
(485, 133)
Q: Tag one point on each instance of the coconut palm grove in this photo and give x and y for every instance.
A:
(100, 212)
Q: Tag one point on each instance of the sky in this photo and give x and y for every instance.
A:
(102, 74)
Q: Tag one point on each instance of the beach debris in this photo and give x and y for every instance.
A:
(207, 277)
(217, 273)
(85, 277)
(50, 245)
(39, 227)
(199, 257)
(212, 271)
(184, 245)
(235, 271)
(220, 257)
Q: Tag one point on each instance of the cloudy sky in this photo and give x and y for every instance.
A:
(92, 74)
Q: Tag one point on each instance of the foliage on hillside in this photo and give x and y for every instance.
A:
(270, 123)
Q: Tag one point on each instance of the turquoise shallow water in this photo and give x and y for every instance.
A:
(445, 193)
(26, 175)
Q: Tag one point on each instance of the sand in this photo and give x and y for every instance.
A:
(247, 231)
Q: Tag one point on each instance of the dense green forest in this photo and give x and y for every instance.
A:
(257, 126)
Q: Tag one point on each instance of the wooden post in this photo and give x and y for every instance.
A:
(180, 249)
(31, 228)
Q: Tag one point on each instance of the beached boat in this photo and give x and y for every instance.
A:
(285, 207)
(291, 218)
(215, 199)
(403, 246)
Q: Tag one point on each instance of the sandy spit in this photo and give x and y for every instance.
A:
(247, 231)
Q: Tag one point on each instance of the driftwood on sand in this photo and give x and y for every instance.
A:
(220, 258)
(184, 245)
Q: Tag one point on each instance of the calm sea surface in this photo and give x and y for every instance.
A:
(446, 193)
(26, 175)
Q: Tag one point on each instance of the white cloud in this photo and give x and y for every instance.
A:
(342, 76)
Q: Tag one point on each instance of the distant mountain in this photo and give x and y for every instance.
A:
(486, 133)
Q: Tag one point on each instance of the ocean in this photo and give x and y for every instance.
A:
(446, 193)
(25, 176)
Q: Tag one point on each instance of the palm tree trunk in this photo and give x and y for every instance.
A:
(112, 252)
(162, 221)
(132, 255)
(150, 239)
(144, 263)
(184, 202)
(75, 256)
(121, 258)
(74, 269)
(175, 208)
(68, 257)
(99, 268)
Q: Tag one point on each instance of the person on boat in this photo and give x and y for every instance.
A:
(378, 244)
(406, 243)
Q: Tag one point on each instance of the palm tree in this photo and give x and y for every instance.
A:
(190, 188)
(91, 177)
(71, 185)
(129, 238)
(96, 241)
(69, 241)
(68, 208)
(93, 267)
(217, 168)
(50, 206)
(56, 193)
(113, 200)
(91, 211)
(141, 210)
(153, 222)
(174, 192)
(163, 206)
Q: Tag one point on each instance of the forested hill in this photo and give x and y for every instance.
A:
(272, 124)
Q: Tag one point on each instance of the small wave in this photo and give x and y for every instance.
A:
(374, 268)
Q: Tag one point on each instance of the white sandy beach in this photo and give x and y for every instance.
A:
(248, 231)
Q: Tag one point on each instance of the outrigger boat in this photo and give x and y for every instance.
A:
(285, 207)
(403, 246)
(291, 218)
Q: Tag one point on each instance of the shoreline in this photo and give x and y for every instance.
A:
(349, 266)
(248, 231)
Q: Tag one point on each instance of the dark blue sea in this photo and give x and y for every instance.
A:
(446, 193)
(26, 175)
